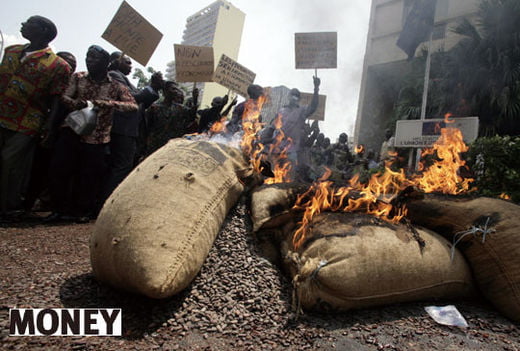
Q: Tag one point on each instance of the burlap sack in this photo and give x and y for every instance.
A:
(352, 261)
(496, 261)
(271, 204)
(155, 231)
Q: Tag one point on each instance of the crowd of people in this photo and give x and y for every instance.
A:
(46, 164)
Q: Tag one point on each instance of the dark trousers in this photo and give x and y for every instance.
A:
(80, 164)
(39, 176)
(16, 154)
(122, 155)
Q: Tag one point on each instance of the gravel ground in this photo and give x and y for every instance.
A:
(239, 301)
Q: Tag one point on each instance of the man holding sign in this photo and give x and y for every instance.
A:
(293, 118)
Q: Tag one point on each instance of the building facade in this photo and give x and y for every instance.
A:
(385, 62)
(219, 25)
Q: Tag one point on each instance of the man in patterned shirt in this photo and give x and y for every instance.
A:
(86, 154)
(32, 78)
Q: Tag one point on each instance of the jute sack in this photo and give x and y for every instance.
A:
(352, 261)
(271, 204)
(156, 229)
(489, 233)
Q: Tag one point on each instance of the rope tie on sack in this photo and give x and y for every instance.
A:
(476, 231)
(306, 272)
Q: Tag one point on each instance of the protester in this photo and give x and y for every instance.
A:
(169, 118)
(213, 114)
(125, 125)
(293, 118)
(310, 134)
(371, 158)
(32, 77)
(84, 156)
(254, 92)
(38, 189)
(341, 152)
(316, 151)
(387, 147)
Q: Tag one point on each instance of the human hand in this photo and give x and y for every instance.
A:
(80, 103)
(101, 103)
(316, 82)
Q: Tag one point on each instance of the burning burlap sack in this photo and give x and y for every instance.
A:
(156, 229)
(489, 233)
(271, 204)
(350, 261)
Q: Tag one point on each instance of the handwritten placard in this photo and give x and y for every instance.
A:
(233, 75)
(193, 63)
(316, 50)
(319, 114)
(132, 34)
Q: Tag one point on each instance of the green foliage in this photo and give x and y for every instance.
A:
(143, 79)
(496, 164)
(479, 76)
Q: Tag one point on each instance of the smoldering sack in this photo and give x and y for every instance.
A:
(352, 261)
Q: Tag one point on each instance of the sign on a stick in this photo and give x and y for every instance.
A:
(319, 114)
(233, 75)
(132, 34)
(193, 63)
(424, 133)
(316, 50)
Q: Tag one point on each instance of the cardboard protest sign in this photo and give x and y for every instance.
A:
(132, 34)
(319, 114)
(193, 63)
(233, 75)
(316, 50)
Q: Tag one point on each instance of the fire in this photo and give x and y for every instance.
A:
(278, 155)
(504, 196)
(218, 126)
(251, 125)
(374, 198)
(443, 176)
(358, 149)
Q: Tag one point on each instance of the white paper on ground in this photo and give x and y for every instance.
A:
(447, 315)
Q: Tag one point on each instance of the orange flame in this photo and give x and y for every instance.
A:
(218, 126)
(505, 196)
(359, 148)
(278, 155)
(251, 124)
(443, 176)
(374, 198)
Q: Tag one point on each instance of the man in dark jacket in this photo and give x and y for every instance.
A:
(125, 125)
